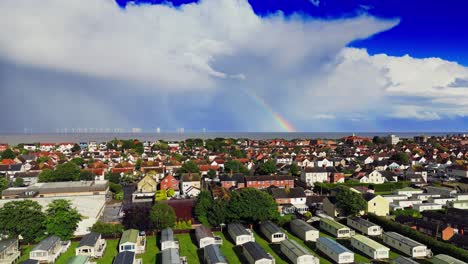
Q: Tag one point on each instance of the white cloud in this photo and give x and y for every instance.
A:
(315, 2)
(206, 52)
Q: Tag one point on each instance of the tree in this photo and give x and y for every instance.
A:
(267, 168)
(203, 204)
(67, 172)
(217, 212)
(211, 174)
(251, 206)
(160, 195)
(78, 161)
(401, 158)
(379, 140)
(350, 202)
(138, 164)
(170, 192)
(8, 154)
(86, 175)
(189, 167)
(23, 218)
(107, 229)
(61, 219)
(294, 170)
(113, 177)
(235, 166)
(3, 183)
(162, 216)
(19, 182)
(137, 216)
(76, 148)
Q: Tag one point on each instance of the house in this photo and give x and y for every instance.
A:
(364, 226)
(369, 247)
(405, 245)
(255, 254)
(169, 182)
(48, 250)
(205, 237)
(91, 245)
(239, 234)
(146, 188)
(167, 239)
(311, 175)
(335, 251)
(457, 171)
(190, 184)
(171, 256)
(376, 204)
(290, 200)
(445, 259)
(126, 257)
(9, 251)
(133, 240)
(303, 230)
(375, 177)
(79, 260)
(272, 232)
(263, 182)
(212, 255)
(336, 229)
(296, 253)
(235, 181)
(329, 206)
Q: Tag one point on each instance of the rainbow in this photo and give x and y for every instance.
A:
(280, 120)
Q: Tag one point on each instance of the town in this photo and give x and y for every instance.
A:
(224, 200)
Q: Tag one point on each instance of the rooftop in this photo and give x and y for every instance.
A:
(332, 223)
(369, 242)
(333, 245)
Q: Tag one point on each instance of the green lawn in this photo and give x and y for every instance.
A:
(188, 248)
(110, 253)
(25, 252)
(152, 250)
(227, 248)
(62, 259)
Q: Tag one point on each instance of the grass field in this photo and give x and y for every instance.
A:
(265, 245)
(188, 248)
(227, 248)
(110, 253)
(62, 259)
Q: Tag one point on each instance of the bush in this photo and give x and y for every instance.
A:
(107, 229)
(438, 247)
(115, 188)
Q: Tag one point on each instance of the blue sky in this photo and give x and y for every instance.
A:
(235, 65)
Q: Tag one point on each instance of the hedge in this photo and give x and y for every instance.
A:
(384, 187)
(437, 247)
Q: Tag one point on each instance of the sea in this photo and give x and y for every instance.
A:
(13, 139)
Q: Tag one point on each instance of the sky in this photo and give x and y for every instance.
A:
(234, 65)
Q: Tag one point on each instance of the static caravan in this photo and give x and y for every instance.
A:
(424, 196)
(78, 260)
(446, 259)
(272, 232)
(334, 250)
(296, 253)
(133, 240)
(427, 206)
(335, 228)
(255, 254)
(167, 239)
(442, 200)
(205, 237)
(391, 198)
(170, 256)
(404, 260)
(408, 203)
(240, 234)
(91, 245)
(406, 245)
(364, 226)
(212, 255)
(369, 247)
(47, 251)
(303, 230)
